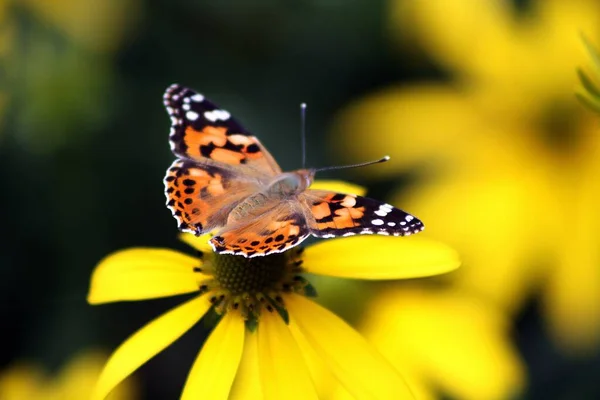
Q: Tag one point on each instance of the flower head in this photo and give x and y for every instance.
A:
(271, 341)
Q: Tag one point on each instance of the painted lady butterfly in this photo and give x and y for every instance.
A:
(225, 180)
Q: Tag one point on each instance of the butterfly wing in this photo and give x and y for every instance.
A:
(202, 196)
(275, 231)
(202, 131)
(330, 214)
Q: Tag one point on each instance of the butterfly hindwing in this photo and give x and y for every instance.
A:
(202, 196)
(202, 130)
(275, 231)
(336, 214)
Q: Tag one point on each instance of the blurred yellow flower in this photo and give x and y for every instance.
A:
(445, 340)
(271, 341)
(75, 381)
(512, 158)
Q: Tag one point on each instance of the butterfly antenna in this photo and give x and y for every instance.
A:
(364, 164)
(303, 132)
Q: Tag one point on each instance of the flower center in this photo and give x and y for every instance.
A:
(252, 285)
(240, 274)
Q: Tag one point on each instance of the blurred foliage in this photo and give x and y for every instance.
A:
(472, 99)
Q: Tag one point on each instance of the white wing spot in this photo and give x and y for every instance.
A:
(192, 115)
(402, 223)
(377, 222)
(391, 224)
(197, 98)
(409, 218)
(215, 115)
(186, 106)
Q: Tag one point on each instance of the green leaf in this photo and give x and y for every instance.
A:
(588, 83)
(589, 101)
(595, 55)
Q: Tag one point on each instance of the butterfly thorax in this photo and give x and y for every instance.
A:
(285, 186)
(289, 184)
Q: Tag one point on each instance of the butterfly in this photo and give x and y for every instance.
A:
(225, 180)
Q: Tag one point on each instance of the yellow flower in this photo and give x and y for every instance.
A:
(511, 155)
(447, 340)
(271, 341)
(74, 381)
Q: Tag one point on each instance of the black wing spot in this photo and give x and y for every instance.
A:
(253, 148)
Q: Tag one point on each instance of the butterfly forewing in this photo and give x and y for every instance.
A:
(201, 130)
(337, 214)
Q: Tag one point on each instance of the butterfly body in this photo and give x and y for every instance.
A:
(225, 181)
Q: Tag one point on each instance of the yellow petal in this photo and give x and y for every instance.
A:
(147, 342)
(454, 341)
(324, 380)
(213, 372)
(137, 274)
(200, 243)
(338, 186)
(446, 29)
(358, 366)
(247, 380)
(283, 373)
(399, 123)
(380, 257)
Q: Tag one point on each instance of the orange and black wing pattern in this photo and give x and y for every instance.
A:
(332, 214)
(201, 130)
(202, 196)
(277, 230)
